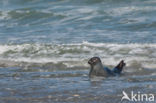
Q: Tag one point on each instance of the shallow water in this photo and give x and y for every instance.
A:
(70, 86)
(45, 46)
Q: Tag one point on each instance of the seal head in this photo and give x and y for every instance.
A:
(94, 60)
(96, 67)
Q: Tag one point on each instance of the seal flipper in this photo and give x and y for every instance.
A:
(119, 67)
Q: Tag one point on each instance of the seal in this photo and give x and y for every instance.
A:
(97, 68)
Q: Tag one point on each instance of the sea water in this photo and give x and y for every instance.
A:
(45, 46)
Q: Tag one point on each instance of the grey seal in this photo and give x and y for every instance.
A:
(97, 68)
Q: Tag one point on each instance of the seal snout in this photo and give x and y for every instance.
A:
(90, 62)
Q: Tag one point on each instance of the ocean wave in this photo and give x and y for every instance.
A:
(28, 16)
(4, 15)
(77, 54)
(119, 11)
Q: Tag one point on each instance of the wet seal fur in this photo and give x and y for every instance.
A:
(97, 68)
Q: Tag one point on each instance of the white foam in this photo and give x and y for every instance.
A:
(119, 11)
(4, 15)
(86, 18)
(86, 10)
(78, 54)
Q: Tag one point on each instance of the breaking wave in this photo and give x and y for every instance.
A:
(77, 55)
